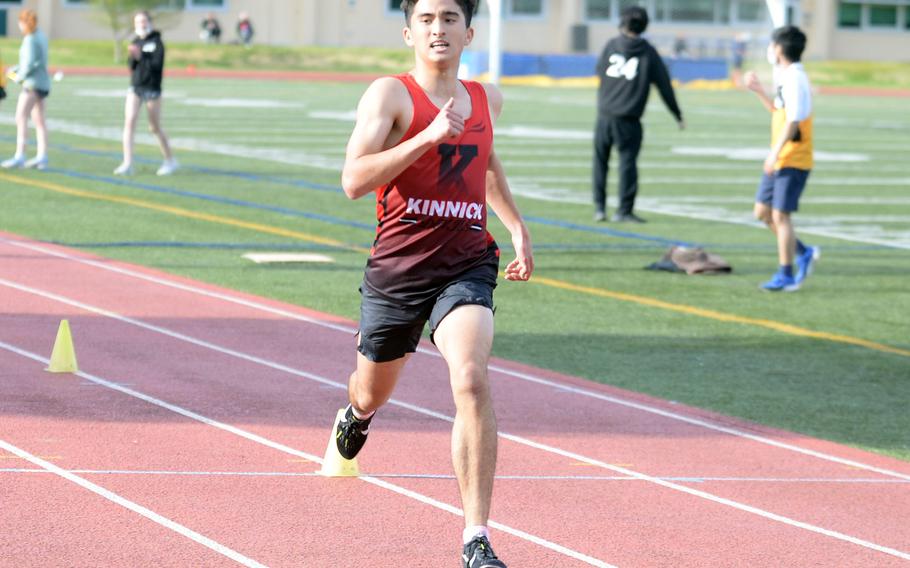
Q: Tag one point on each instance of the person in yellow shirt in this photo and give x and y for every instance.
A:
(787, 167)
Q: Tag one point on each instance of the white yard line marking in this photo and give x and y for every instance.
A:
(758, 153)
(877, 236)
(276, 445)
(239, 103)
(520, 136)
(418, 410)
(279, 155)
(135, 507)
(348, 116)
(348, 330)
(722, 181)
(813, 200)
(449, 476)
(511, 161)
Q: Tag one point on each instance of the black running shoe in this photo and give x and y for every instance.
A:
(479, 554)
(351, 434)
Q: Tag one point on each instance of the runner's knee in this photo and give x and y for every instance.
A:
(469, 382)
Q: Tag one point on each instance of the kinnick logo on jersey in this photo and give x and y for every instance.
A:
(451, 209)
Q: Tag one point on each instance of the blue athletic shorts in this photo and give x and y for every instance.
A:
(782, 189)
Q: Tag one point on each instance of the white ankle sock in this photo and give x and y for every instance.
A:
(477, 530)
(360, 416)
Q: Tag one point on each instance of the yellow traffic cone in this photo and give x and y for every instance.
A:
(63, 358)
(333, 465)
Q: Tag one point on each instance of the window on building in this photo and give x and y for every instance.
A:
(623, 4)
(849, 15)
(394, 7)
(723, 12)
(882, 15)
(692, 11)
(526, 7)
(597, 9)
(166, 4)
(752, 11)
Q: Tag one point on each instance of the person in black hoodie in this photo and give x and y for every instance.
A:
(627, 67)
(146, 60)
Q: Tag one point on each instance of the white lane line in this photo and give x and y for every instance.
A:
(431, 413)
(277, 445)
(135, 507)
(449, 476)
(348, 330)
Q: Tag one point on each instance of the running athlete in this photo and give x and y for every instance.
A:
(787, 167)
(423, 142)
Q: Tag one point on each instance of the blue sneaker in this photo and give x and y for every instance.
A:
(806, 262)
(781, 283)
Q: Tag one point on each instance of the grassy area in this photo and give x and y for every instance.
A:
(892, 75)
(67, 53)
(271, 154)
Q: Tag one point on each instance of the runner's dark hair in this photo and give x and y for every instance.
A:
(792, 42)
(468, 7)
(634, 19)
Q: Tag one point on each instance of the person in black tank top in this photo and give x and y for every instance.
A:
(420, 144)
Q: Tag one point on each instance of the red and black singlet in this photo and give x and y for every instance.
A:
(432, 219)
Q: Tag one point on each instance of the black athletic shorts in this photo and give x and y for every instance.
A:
(390, 330)
(145, 94)
(42, 94)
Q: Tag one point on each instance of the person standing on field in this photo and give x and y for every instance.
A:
(627, 68)
(423, 143)
(787, 167)
(32, 74)
(146, 61)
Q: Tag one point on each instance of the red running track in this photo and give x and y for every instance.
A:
(191, 435)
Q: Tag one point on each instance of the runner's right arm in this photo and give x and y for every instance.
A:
(374, 157)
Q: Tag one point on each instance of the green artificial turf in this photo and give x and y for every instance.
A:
(280, 145)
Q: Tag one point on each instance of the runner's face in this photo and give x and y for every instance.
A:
(438, 31)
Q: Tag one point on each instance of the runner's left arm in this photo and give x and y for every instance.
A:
(500, 200)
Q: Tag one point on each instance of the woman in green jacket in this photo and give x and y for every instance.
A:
(31, 73)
